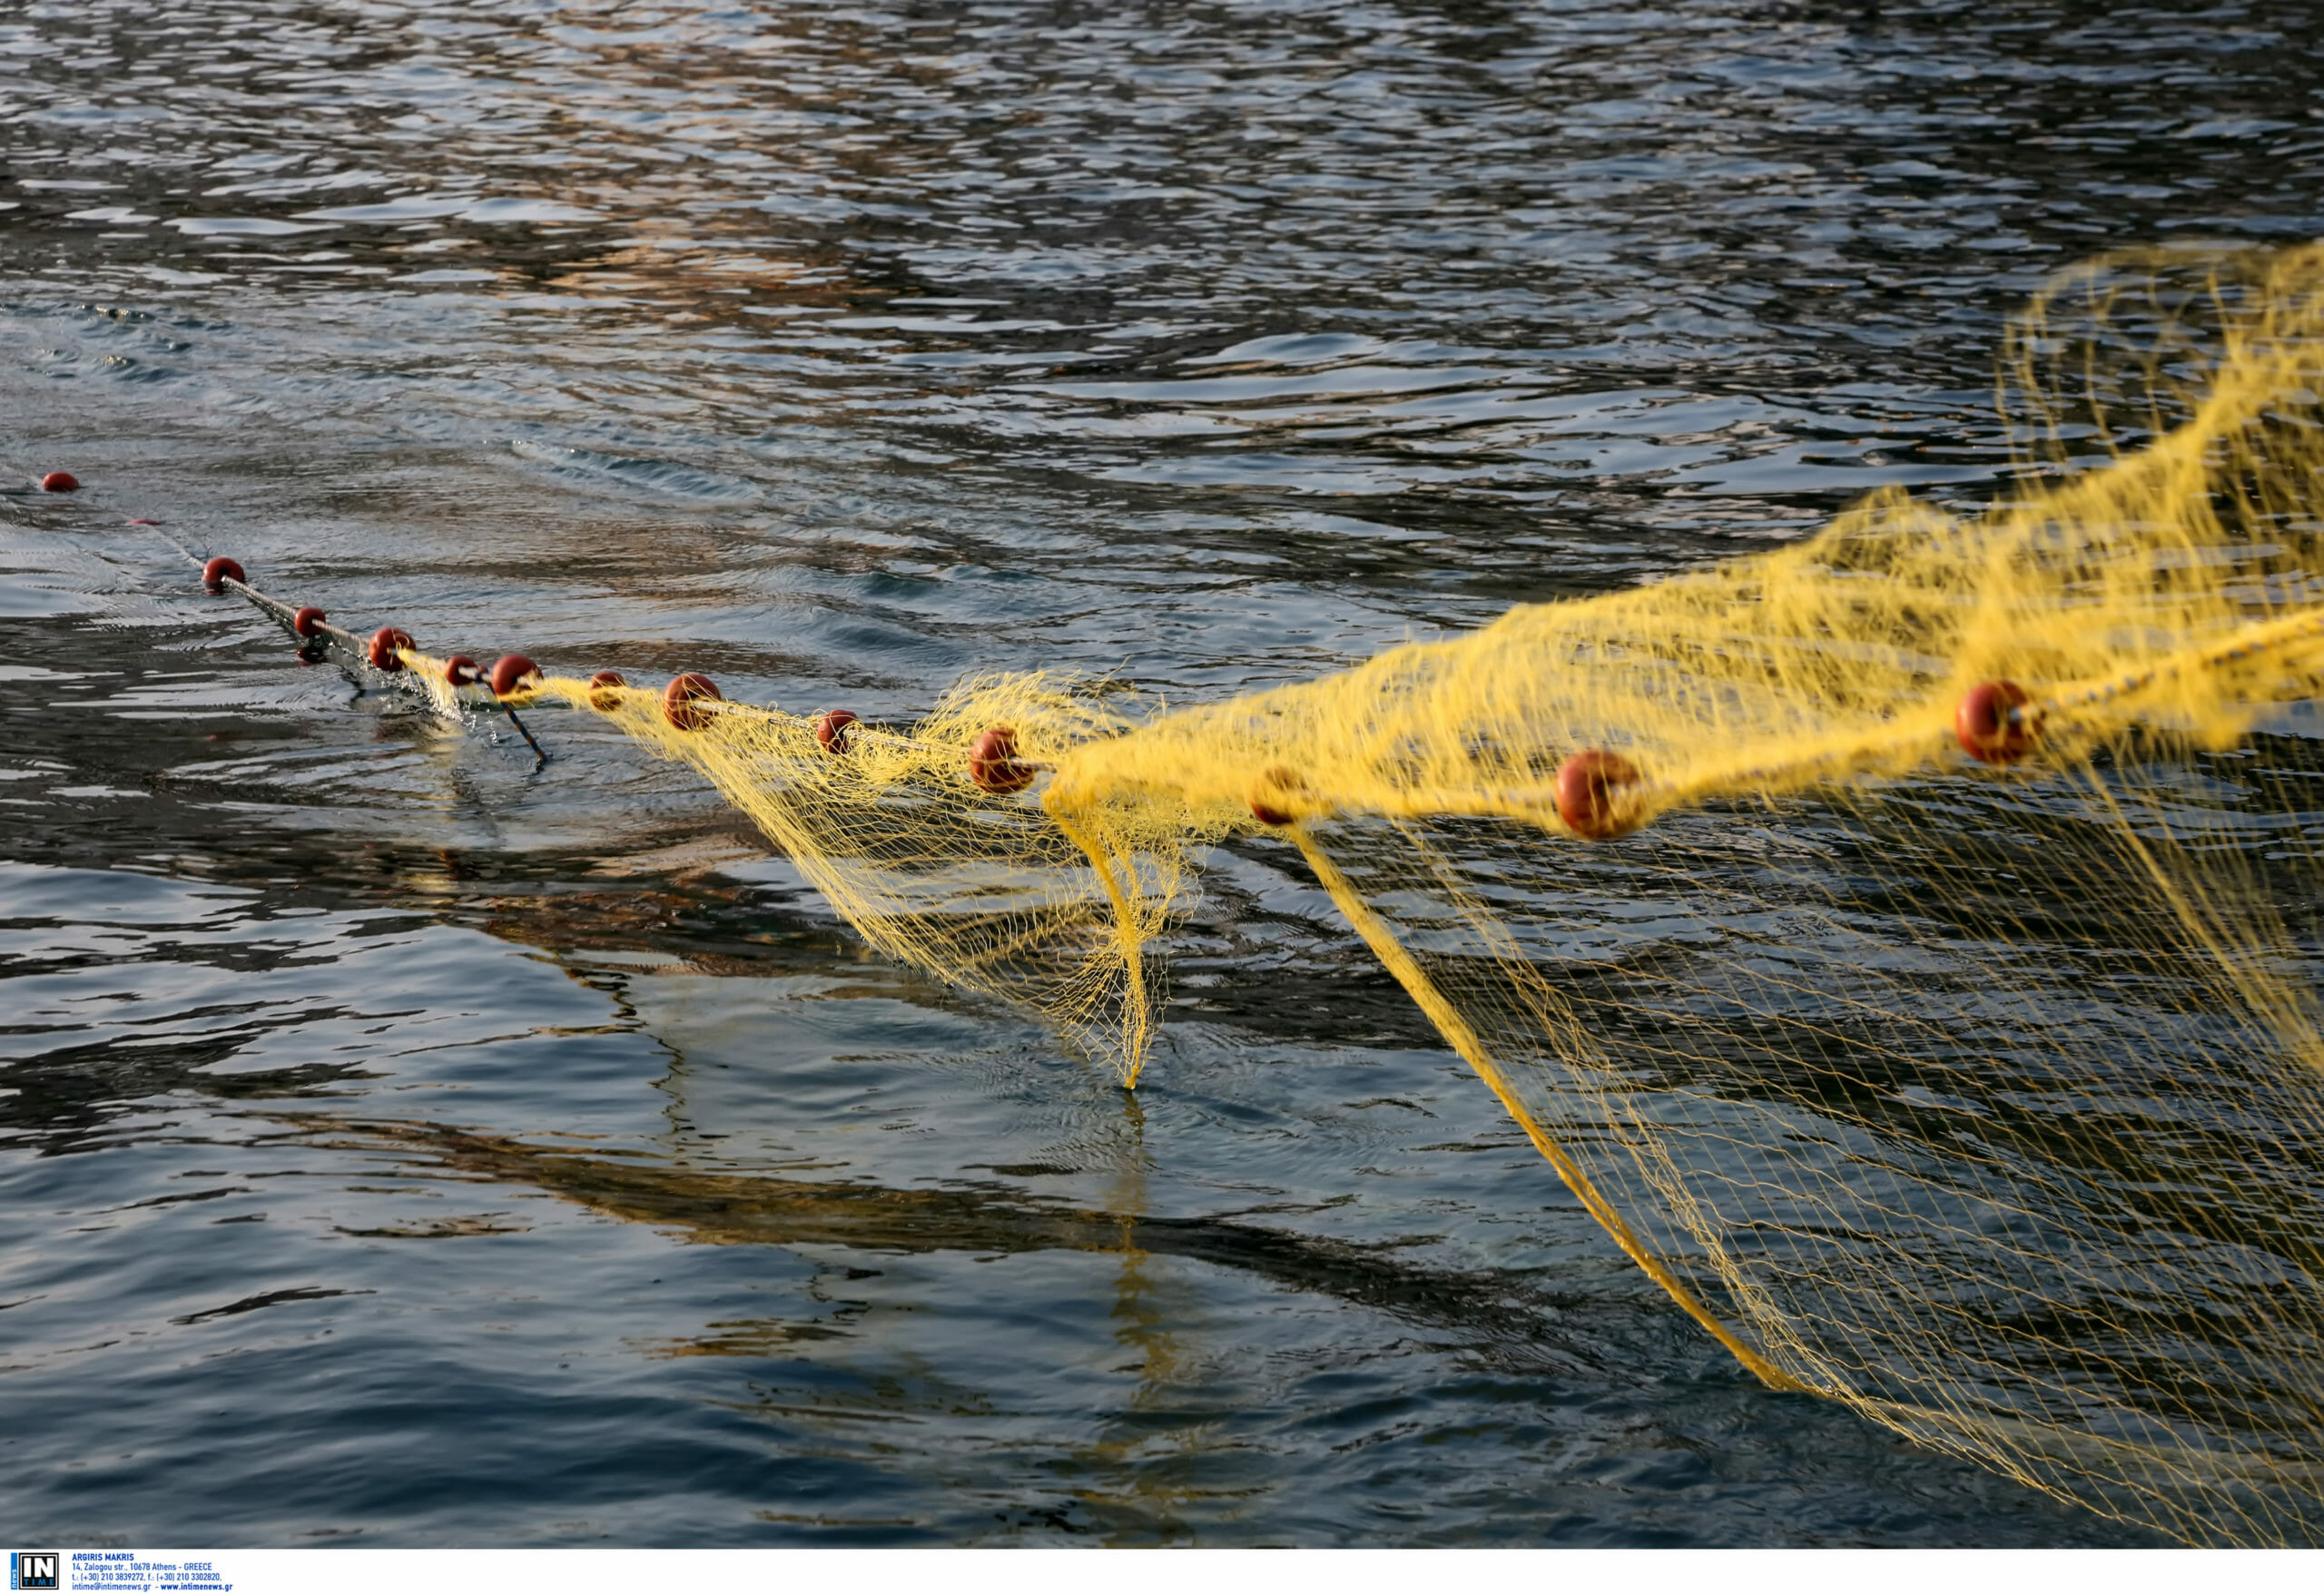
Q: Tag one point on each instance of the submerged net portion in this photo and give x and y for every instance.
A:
(1983, 1097)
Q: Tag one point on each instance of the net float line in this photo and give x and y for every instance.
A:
(1599, 795)
(388, 650)
(690, 703)
(1596, 794)
(458, 683)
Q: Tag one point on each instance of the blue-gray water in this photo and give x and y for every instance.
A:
(401, 1147)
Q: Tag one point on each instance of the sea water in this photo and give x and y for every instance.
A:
(404, 1145)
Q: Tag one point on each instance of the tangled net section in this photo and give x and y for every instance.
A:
(1904, 943)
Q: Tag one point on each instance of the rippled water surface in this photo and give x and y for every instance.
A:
(404, 1147)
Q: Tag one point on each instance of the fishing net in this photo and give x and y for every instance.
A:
(1981, 1093)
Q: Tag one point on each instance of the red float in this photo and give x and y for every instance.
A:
(1992, 726)
(1267, 794)
(681, 702)
(993, 764)
(59, 482)
(219, 571)
(512, 671)
(384, 644)
(1587, 783)
(831, 729)
(604, 695)
(461, 671)
(309, 621)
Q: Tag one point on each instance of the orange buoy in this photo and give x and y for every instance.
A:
(1587, 783)
(603, 689)
(219, 571)
(993, 764)
(680, 700)
(1268, 792)
(59, 482)
(831, 729)
(384, 644)
(511, 671)
(309, 621)
(461, 671)
(1992, 725)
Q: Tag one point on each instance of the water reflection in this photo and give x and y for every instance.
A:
(738, 1209)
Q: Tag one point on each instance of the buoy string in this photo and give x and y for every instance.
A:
(1887, 746)
(282, 610)
(1848, 754)
(1895, 743)
(572, 692)
(422, 669)
(155, 527)
(415, 662)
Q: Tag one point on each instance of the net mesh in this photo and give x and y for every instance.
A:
(1981, 1097)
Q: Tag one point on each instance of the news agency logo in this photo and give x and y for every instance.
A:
(32, 1569)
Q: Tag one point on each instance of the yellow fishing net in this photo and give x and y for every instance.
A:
(1981, 1095)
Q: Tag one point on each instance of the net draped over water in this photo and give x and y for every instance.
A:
(1983, 1097)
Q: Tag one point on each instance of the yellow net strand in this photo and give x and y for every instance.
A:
(1447, 1019)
